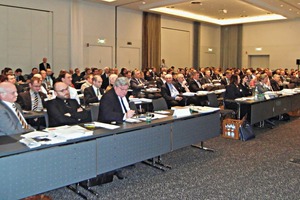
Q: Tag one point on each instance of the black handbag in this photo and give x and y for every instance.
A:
(246, 130)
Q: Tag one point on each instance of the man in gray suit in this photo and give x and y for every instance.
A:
(10, 122)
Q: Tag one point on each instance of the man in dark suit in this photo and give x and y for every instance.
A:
(94, 93)
(12, 120)
(136, 83)
(44, 65)
(195, 84)
(114, 106)
(34, 98)
(170, 93)
(105, 78)
(275, 82)
(65, 111)
(226, 80)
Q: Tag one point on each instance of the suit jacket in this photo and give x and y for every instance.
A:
(90, 96)
(110, 108)
(24, 99)
(233, 92)
(193, 86)
(61, 113)
(42, 67)
(224, 81)
(261, 88)
(159, 83)
(246, 90)
(105, 81)
(9, 123)
(205, 80)
(275, 86)
(134, 85)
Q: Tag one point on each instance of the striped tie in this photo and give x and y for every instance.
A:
(35, 102)
(19, 115)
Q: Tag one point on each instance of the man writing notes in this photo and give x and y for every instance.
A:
(65, 111)
(114, 105)
(12, 120)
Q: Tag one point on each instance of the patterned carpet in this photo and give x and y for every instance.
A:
(256, 169)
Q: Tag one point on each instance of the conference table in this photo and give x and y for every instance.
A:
(260, 110)
(25, 172)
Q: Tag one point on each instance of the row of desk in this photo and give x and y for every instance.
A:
(260, 110)
(26, 172)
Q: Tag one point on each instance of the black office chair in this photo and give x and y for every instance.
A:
(132, 106)
(159, 104)
(213, 102)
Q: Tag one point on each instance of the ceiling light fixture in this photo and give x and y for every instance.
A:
(109, 0)
(193, 16)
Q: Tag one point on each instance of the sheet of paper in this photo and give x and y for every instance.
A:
(106, 126)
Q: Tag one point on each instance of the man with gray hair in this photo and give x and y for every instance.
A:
(12, 121)
(114, 106)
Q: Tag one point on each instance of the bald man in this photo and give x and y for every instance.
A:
(65, 111)
(11, 122)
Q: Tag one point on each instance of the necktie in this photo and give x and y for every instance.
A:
(98, 92)
(19, 115)
(123, 105)
(35, 102)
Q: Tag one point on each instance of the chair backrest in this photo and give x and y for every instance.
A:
(159, 104)
(132, 106)
(212, 100)
(94, 112)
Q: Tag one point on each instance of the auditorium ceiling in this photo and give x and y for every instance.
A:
(221, 12)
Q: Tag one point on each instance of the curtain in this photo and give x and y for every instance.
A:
(231, 46)
(151, 40)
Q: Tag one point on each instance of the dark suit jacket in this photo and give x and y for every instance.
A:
(193, 86)
(61, 113)
(134, 85)
(105, 81)
(24, 99)
(205, 80)
(90, 95)
(159, 83)
(246, 90)
(110, 108)
(224, 82)
(42, 67)
(232, 92)
(166, 93)
(9, 123)
(275, 86)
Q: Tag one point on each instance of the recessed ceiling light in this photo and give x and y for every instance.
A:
(196, 2)
(281, 5)
(143, 2)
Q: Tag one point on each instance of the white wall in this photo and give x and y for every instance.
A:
(209, 38)
(61, 28)
(176, 42)
(279, 39)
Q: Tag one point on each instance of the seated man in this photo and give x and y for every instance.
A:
(66, 78)
(65, 111)
(170, 93)
(137, 83)
(114, 105)
(88, 82)
(12, 121)
(94, 93)
(276, 82)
